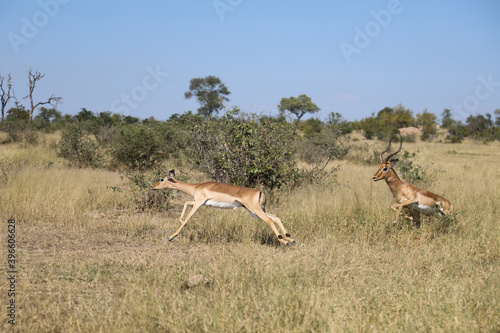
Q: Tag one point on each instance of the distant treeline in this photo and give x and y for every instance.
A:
(238, 148)
(382, 125)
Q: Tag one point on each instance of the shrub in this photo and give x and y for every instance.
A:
(246, 151)
(19, 131)
(137, 146)
(411, 172)
(140, 192)
(321, 148)
(78, 147)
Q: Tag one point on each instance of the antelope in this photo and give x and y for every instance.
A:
(221, 195)
(409, 196)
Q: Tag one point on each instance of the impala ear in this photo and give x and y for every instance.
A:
(171, 174)
(394, 162)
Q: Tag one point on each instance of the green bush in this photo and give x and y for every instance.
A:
(137, 146)
(246, 151)
(411, 172)
(78, 147)
(320, 149)
(20, 131)
(140, 193)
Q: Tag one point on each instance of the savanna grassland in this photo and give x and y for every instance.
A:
(88, 261)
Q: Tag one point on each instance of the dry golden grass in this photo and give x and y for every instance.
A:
(88, 263)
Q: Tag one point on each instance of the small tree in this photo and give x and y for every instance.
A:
(48, 115)
(427, 121)
(402, 117)
(481, 127)
(33, 79)
(298, 106)
(497, 117)
(446, 121)
(210, 92)
(18, 112)
(85, 115)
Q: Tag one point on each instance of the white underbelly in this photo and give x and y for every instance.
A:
(224, 205)
(422, 208)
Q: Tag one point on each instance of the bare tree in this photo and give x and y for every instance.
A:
(6, 95)
(34, 78)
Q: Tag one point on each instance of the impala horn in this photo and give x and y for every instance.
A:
(388, 147)
(400, 146)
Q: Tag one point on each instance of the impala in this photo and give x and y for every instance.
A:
(222, 195)
(409, 196)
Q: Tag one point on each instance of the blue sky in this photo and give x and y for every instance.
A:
(350, 57)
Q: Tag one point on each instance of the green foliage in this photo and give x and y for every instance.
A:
(210, 93)
(48, 115)
(137, 146)
(427, 121)
(246, 151)
(319, 149)
(336, 119)
(310, 127)
(298, 106)
(18, 112)
(447, 120)
(411, 172)
(399, 117)
(78, 147)
(140, 193)
(84, 115)
(481, 127)
(497, 117)
(386, 123)
(14, 130)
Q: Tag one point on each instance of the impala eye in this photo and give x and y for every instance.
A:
(384, 169)
(162, 180)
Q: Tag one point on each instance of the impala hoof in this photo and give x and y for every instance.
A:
(170, 239)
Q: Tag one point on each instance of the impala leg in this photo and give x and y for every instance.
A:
(277, 220)
(184, 209)
(264, 217)
(191, 213)
(400, 208)
(397, 208)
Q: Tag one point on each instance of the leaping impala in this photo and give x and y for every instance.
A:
(221, 195)
(409, 196)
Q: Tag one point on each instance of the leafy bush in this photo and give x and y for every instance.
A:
(386, 123)
(246, 151)
(78, 147)
(411, 172)
(456, 133)
(140, 192)
(320, 149)
(19, 131)
(137, 146)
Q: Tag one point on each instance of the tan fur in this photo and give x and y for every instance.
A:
(409, 196)
(223, 196)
